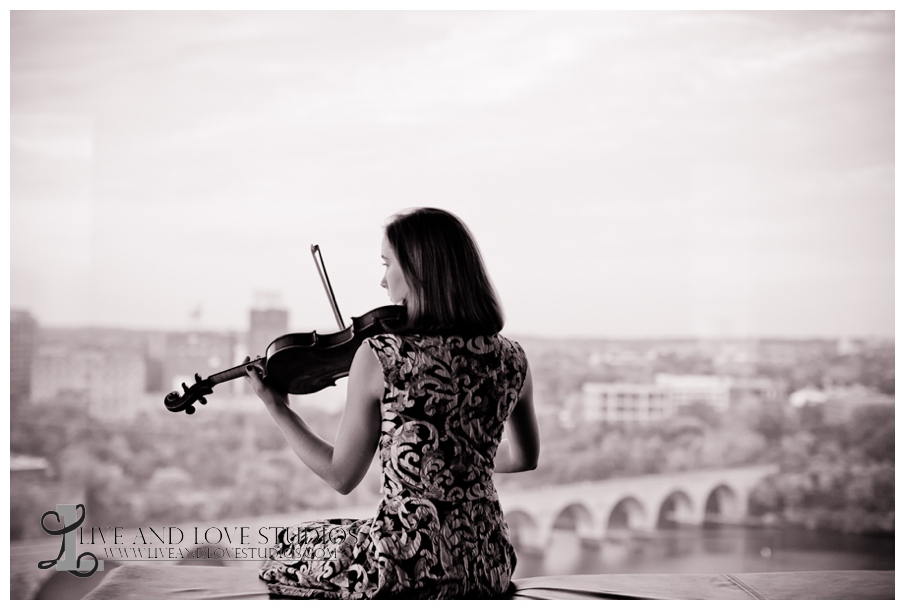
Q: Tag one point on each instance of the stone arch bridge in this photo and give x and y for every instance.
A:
(597, 509)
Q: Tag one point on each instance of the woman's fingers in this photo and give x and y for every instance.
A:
(253, 374)
(257, 378)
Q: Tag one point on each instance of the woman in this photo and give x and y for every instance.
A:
(433, 399)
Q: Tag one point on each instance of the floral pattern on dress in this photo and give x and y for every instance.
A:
(439, 530)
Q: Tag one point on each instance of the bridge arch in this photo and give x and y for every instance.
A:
(524, 533)
(640, 503)
(676, 509)
(723, 503)
(578, 518)
(627, 514)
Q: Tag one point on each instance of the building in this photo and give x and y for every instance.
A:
(807, 397)
(189, 353)
(23, 329)
(155, 356)
(624, 402)
(107, 381)
(638, 402)
(840, 404)
(264, 326)
(758, 389)
(688, 389)
(28, 467)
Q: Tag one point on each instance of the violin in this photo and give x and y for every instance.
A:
(301, 363)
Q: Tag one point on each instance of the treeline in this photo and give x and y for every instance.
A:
(838, 476)
(165, 469)
(696, 438)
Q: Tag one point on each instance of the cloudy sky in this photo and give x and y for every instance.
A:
(626, 174)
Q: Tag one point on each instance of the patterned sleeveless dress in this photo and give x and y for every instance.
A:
(439, 530)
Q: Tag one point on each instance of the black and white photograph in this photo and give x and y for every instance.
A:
(452, 302)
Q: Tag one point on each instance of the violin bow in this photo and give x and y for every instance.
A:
(319, 263)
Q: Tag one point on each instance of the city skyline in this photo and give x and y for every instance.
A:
(655, 174)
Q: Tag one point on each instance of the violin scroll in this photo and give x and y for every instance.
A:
(201, 388)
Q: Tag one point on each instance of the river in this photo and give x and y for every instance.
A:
(723, 549)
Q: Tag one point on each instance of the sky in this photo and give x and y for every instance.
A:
(626, 174)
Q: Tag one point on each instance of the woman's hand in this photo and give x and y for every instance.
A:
(255, 375)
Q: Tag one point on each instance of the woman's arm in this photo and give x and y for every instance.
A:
(344, 464)
(521, 450)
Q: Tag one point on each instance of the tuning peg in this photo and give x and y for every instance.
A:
(189, 410)
(185, 387)
(202, 400)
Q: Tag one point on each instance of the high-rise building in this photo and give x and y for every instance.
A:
(265, 325)
(22, 339)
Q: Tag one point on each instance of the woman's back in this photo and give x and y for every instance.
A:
(445, 402)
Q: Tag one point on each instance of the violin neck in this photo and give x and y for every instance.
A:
(233, 373)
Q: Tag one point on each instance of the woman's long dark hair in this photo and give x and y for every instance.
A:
(449, 289)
